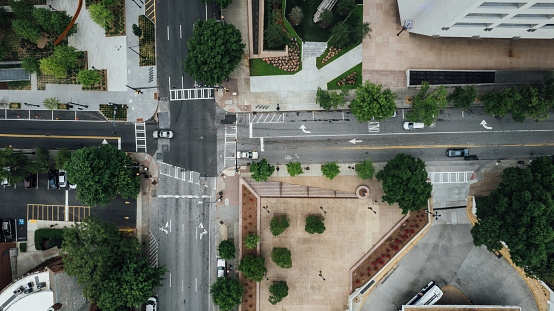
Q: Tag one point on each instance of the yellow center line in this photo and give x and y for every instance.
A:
(58, 136)
(430, 146)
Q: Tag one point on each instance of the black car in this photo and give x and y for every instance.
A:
(7, 233)
(52, 180)
(457, 152)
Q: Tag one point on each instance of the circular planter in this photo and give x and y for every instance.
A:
(362, 192)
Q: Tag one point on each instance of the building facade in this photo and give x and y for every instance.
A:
(516, 19)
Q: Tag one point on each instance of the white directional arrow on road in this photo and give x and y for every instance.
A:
(104, 142)
(354, 141)
(201, 226)
(484, 124)
(303, 128)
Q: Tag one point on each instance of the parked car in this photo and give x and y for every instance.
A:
(62, 179)
(163, 134)
(30, 181)
(72, 186)
(152, 304)
(221, 268)
(457, 152)
(413, 125)
(248, 155)
(7, 232)
(52, 180)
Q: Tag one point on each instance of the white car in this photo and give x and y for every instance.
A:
(62, 179)
(254, 155)
(152, 304)
(72, 186)
(221, 268)
(413, 125)
(163, 134)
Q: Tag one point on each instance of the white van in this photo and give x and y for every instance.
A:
(413, 125)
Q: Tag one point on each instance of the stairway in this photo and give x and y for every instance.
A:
(313, 49)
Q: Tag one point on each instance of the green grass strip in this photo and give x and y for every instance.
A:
(332, 85)
(260, 68)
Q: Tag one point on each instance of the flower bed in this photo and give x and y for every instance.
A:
(249, 224)
(290, 63)
(349, 79)
(380, 256)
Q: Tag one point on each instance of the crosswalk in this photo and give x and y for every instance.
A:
(450, 177)
(192, 94)
(266, 117)
(230, 145)
(152, 250)
(140, 137)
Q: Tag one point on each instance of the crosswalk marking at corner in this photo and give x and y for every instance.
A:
(191, 94)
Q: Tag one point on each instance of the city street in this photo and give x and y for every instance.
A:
(336, 136)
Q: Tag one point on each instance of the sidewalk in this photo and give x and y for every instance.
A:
(111, 53)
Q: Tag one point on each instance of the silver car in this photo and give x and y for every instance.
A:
(163, 134)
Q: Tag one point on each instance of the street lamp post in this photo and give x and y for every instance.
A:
(218, 200)
(371, 209)
(407, 25)
(434, 214)
(321, 275)
(321, 208)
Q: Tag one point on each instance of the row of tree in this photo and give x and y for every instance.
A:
(17, 165)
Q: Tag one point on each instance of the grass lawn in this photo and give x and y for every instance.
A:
(332, 85)
(260, 68)
(356, 13)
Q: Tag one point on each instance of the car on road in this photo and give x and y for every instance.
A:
(163, 134)
(254, 155)
(152, 304)
(221, 268)
(62, 179)
(30, 181)
(413, 125)
(52, 180)
(7, 232)
(457, 152)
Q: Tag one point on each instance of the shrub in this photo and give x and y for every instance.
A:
(278, 291)
(51, 103)
(137, 31)
(26, 30)
(326, 18)
(44, 18)
(330, 99)
(294, 169)
(463, 98)
(62, 156)
(296, 15)
(23, 247)
(344, 7)
(261, 170)
(275, 37)
(54, 237)
(22, 9)
(315, 224)
(30, 65)
(365, 170)
(100, 15)
(252, 240)
(253, 268)
(226, 250)
(281, 257)
(278, 224)
(60, 21)
(89, 77)
(330, 170)
(4, 20)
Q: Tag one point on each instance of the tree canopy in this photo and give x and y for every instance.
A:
(371, 102)
(14, 165)
(226, 293)
(330, 99)
(278, 224)
(62, 156)
(278, 291)
(463, 98)
(223, 4)
(426, 106)
(365, 169)
(252, 240)
(108, 265)
(253, 268)
(226, 250)
(330, 170)
(89, 77)
(64, 58)
(100, 174)
(281, 257)
(404, 181)
(214, 51)
(349, 33)
(294, 169)
(520, 212)
(261, 170)
(314, 224)
(100, 15)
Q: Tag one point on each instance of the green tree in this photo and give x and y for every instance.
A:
(49, 66)
(223, 4)
(275, 36)
(62, 156)
(365, 169)
(294, 169)
(282, 257)
(315, 224)
(226, 250)
(100, 173)
(214, 51)
(43, 17)
(520, 212)
(326, 18)
(330, 99)
(4, 18)
(261, 170)
(252, 240)
(426, 107)
(226, 293)
(30, 65)
(344, 7)
(22, 9)
(51, 103)
(89, 77)
(14, 165)
(253, 268)
(278, 224)
(330, 170)
(533, 104)
(100, 15)
(278, 291)
(110, 2)
(404, 180)
(296, 15)
(349, 33)
(67, 56)
(137, 31)
(102, 258)
(372, 103)
(26, 30)
(43, 159)
(60, 21)
(463, 98)
(130, 285)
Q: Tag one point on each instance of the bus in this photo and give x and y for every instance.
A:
(429, 295)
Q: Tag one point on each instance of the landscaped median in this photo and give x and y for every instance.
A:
(351, 79)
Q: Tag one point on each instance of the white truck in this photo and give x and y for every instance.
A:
(253, 155)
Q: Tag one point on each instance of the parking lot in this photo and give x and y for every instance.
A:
(39, 203)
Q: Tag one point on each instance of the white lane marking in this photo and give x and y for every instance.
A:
(462, 113)
(169, 279)
(66, 205)
(170, 225)
(169, 82)
(250, 128)
(180, 32)
(182, 82)
(167, 33)
(182, 286)
(206, 11)
(261, 144)
(403, 113)
(119, 144)
(195, 285)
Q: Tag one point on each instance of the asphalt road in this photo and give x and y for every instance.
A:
(72, 135)
(446, 255)
(326, 136)
(42, 204)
